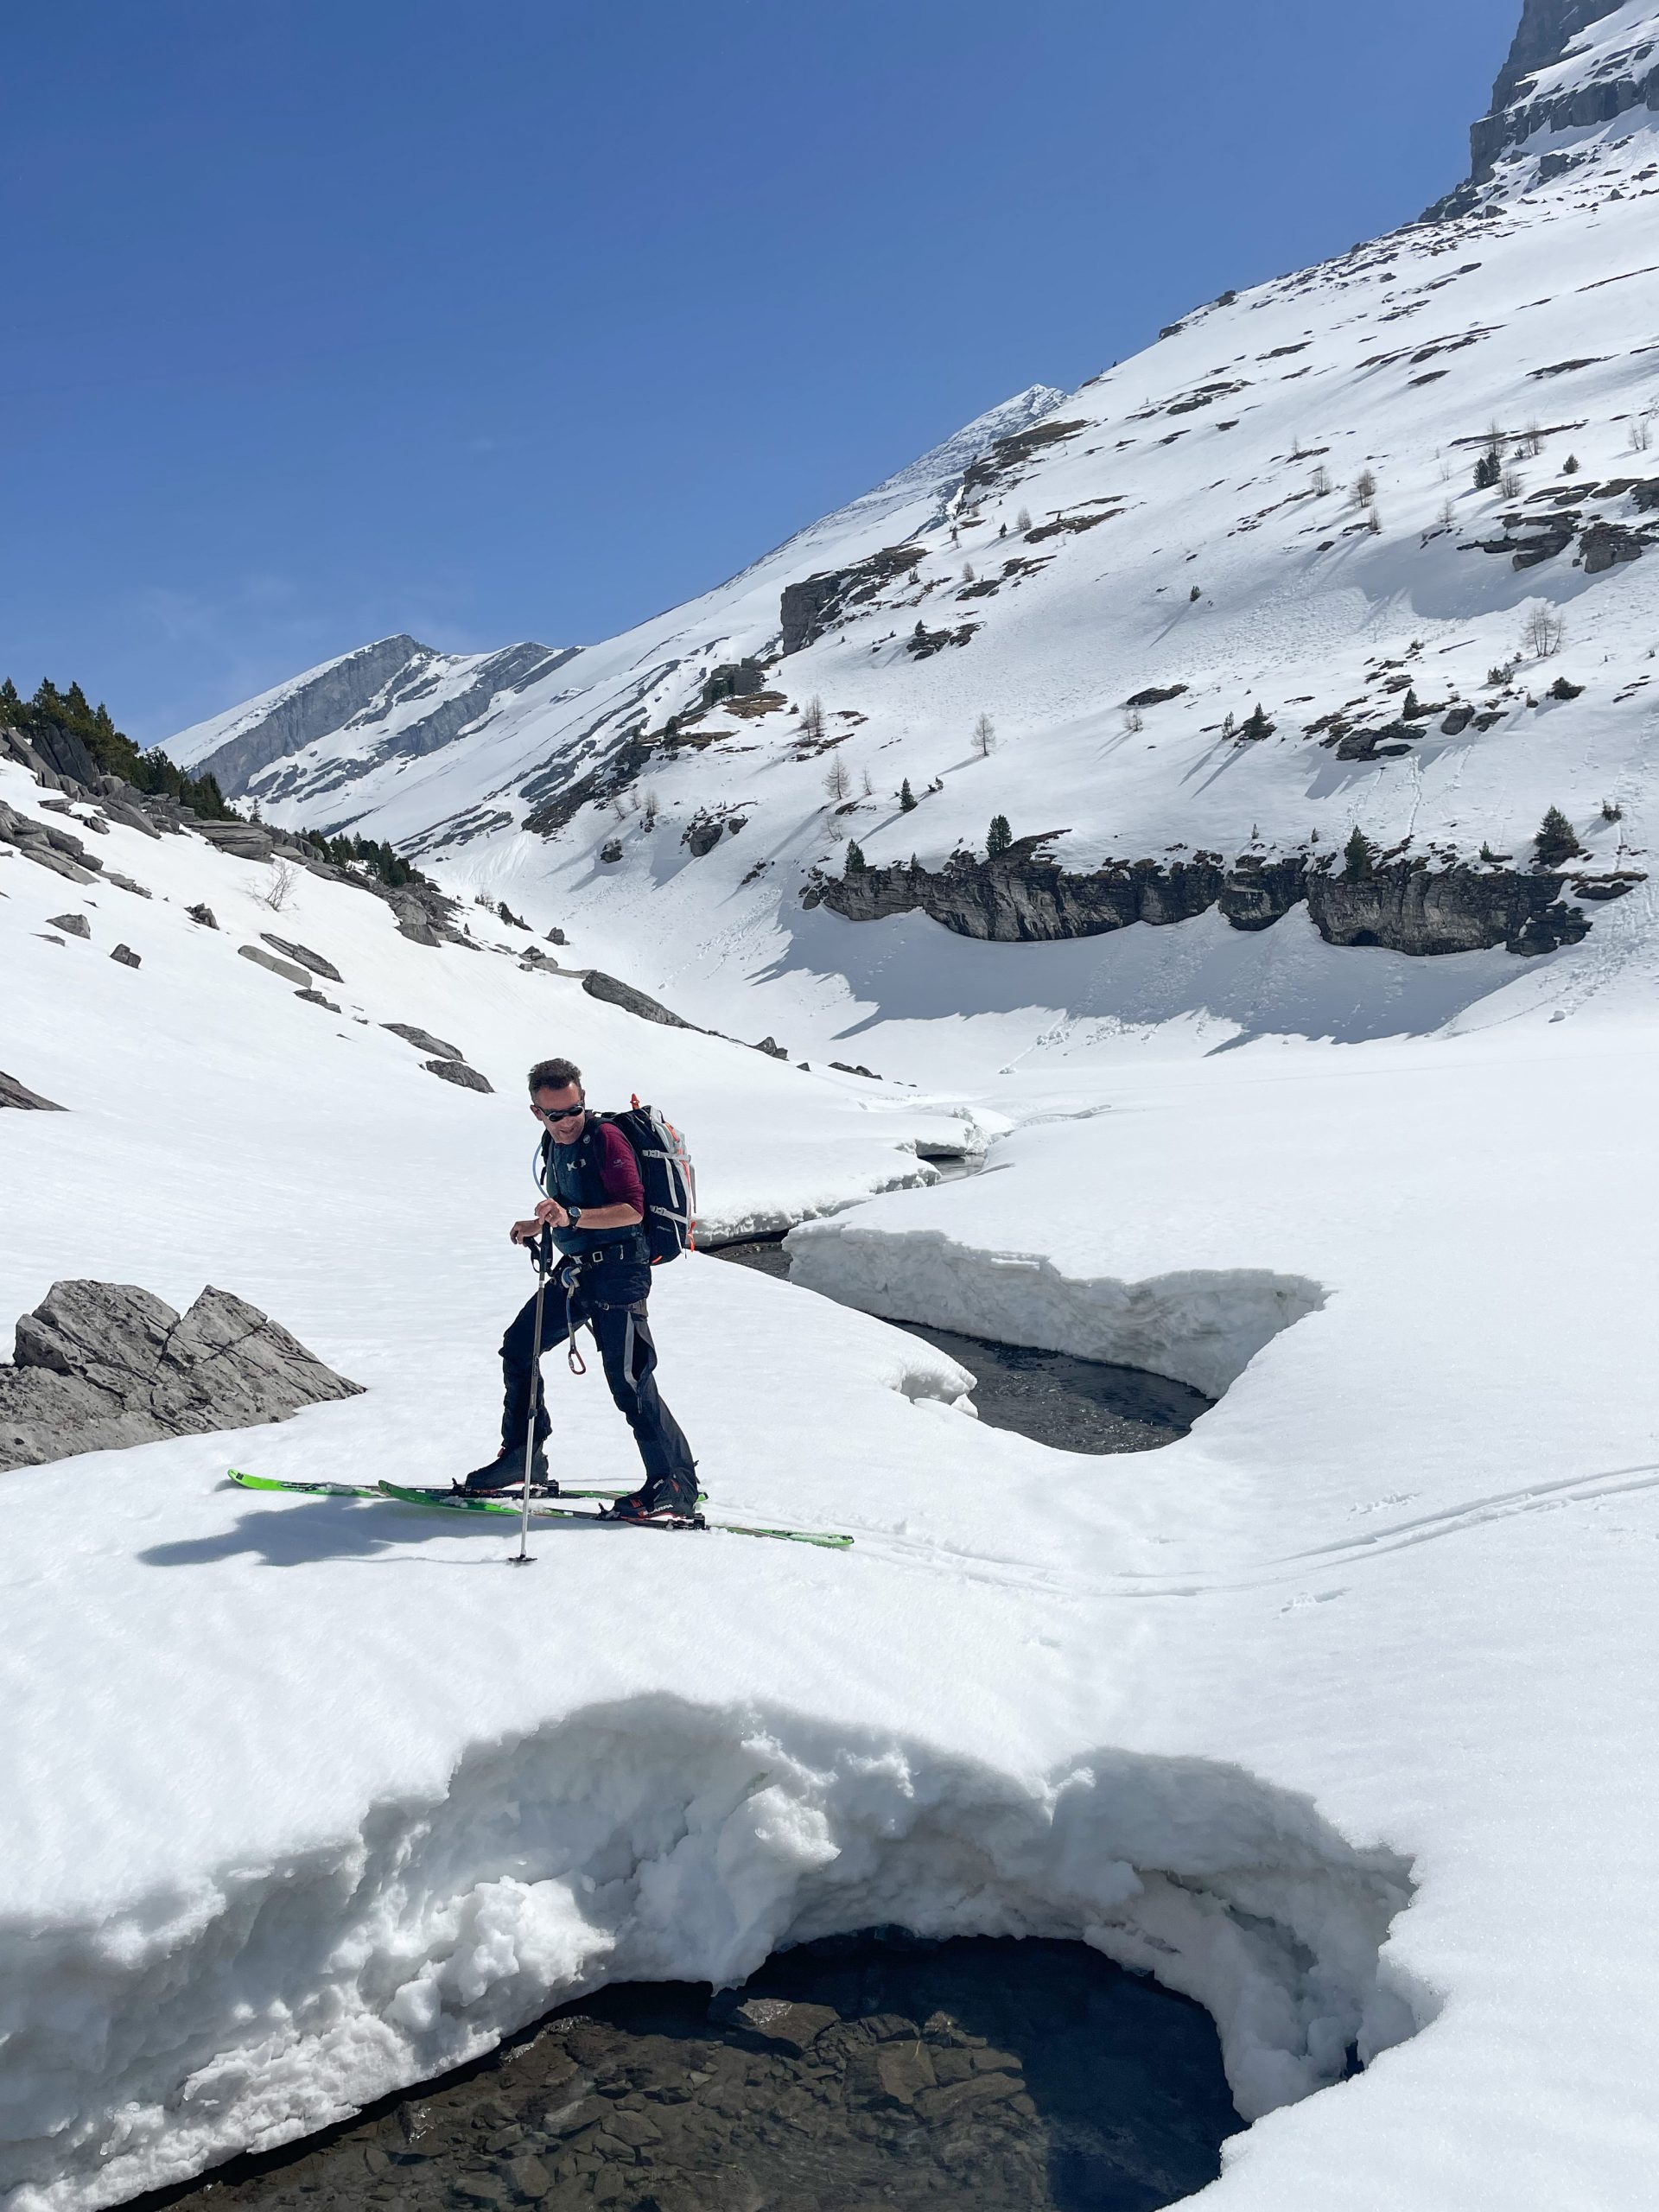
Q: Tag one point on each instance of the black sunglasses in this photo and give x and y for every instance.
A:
(564, 1114)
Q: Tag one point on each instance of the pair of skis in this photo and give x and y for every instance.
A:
(540, 1509)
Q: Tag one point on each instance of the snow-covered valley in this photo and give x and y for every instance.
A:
(1333, 1714)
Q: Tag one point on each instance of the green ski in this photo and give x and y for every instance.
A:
(375, 1489)
(454, 1502)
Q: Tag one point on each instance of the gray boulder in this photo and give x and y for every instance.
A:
(243, 840)
(71, 924)
(305, 958)
(101, 1364)
(50, 846)
(457, 1072)
(286, 969)
(600, 986)
(1606, 544)
(62, 751)
(13, 1093)
(127, 957)
(423, 1040)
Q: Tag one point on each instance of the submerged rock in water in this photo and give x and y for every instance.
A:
(102, 1364)
(876, 2070)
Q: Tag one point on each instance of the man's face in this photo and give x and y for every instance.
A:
(560, 1112)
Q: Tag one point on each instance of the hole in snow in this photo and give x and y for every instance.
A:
(1054, 1398)
(654, 1840)
(1201, 1327)
(981, 2072)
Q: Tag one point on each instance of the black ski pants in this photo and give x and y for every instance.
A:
(611, 1298)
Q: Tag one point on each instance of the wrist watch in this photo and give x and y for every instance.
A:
(573, 1215)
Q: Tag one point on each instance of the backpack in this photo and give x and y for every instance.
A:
(666, 1175)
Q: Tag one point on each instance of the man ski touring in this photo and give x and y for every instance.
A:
(594, 1213)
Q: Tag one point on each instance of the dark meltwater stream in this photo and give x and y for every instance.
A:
(1076, 1405)
(865, 2072)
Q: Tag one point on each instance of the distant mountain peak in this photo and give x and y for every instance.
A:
(405, 698)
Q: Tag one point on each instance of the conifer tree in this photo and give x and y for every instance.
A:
(999, 839)
(1557, 841)
(856, 863)
(1356, 856)
(906, 797)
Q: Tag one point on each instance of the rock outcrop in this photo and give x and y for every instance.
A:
(600, 986)
(423, 1040)
(13, 1093)
(305, 958)
(1409, 906)
(61, 850)
(99, 1365)
(814, 605)
(287, 969)
(460, 1074)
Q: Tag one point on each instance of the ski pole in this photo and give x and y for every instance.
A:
(539, 1259)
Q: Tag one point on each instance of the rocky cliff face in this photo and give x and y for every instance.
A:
(1403, 905)
(1624, 76)
(1547, 28)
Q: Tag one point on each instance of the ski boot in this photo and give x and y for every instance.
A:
(660, 1501)
(506, 1473)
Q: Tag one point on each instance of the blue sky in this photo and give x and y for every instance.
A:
(525, 319)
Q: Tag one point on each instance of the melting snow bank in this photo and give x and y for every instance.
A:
(656, 1840)
(1199, 1327)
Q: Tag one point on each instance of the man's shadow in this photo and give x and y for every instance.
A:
(307, 1532)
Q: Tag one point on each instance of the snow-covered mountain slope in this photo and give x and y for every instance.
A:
(328, 731)
(1336, 1714)
(1275, 507)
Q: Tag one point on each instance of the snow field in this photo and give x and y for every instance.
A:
(1405, 1565)
(339, 1782)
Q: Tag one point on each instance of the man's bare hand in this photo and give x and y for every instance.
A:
(548, 1215)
